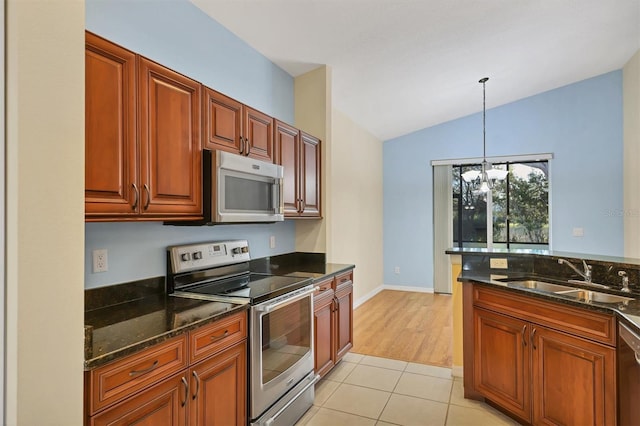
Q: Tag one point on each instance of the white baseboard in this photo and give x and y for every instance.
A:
(457, 371)
(378, 289)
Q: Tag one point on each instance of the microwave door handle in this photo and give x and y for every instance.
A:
(277, 195)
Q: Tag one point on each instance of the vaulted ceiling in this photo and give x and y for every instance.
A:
(402, 65)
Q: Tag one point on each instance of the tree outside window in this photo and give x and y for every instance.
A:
(519, 205)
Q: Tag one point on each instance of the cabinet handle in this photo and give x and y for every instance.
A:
(146, 370)
(222, 336)
(241, 145)
(146, 188)
(533, 337)
(248, 146)
(135, 202)
(186, 391)
(304, 206)
(524, 332)
(195, 375)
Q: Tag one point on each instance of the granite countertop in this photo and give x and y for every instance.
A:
(126, 318)
(119, 330)
(627, 312)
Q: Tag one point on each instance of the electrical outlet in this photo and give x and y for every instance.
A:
(272, 241)
(396, 269)
(498, 263)
(100, 261)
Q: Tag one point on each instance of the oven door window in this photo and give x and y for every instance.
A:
(286, 338)
(246, 193)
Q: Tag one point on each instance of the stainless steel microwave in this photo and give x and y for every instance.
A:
(240, 189)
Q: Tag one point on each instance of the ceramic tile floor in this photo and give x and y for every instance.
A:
(366, 390)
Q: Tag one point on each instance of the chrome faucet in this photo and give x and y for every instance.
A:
(586, 275)
(625, 281)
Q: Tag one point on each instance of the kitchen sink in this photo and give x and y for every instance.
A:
(594, 296)
(541, 285)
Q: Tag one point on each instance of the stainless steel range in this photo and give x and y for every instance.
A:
(281, 377)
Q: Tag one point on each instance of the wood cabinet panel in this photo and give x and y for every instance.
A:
(323, 323)
(310, 176)
(212, 338)
(501, 369)
(170, 141)
(120, 379)
(110, 128)
(344, 319)
(161, 405)
(218, 395)
(258, 135)
(574, 380)
(581, 322)
(287, 142)
(222, 122)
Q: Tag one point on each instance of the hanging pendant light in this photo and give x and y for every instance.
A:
(487, 176)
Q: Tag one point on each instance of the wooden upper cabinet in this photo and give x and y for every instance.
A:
(142, 138)
(288, 156)
(233, 127)
(171, 170)
(310, 176)
(299, 154)
(222, 122)
(258, 135)
(110, 129)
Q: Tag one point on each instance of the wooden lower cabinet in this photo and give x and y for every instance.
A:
(333, 321)
(323, 322)
(501, 362)
(210, 391)
(539, 374)
(161, 405)
(574, 380)
(218, 395)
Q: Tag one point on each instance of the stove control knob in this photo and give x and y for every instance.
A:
(185, 257)
(197, 255)
(240, 250)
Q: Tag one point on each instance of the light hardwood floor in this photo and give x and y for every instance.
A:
(407, 326)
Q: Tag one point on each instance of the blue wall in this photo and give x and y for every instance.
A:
(180, 36)
(581, 124)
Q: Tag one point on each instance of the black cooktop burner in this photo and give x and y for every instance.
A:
(255, 287)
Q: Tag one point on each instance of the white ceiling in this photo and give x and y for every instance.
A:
(402, 65)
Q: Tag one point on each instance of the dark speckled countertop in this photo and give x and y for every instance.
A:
(126, 318)
(543, 265)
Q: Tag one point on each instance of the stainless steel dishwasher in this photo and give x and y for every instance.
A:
(628, 376)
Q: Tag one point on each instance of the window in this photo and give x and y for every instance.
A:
(517, 208)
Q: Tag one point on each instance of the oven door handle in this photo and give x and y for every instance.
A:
(268, 307)
(273, 418)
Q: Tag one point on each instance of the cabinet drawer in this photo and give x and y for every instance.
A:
(346, 278)
(580, 322)
(323, 287)
(115, 381)
(213, 338)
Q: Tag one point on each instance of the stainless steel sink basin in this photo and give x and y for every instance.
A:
(541, 285)
(594, 296)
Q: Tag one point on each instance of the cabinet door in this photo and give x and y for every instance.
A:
(218, 389)
(110, 125)
(501, 362)
(574, 380)
(288, 156)
(222, 122)
(170, 142)
(344, 319)
(323, 318)
(310, 176)
(161, 405)
(258, 135)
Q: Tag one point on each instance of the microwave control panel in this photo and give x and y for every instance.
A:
(192, 257)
